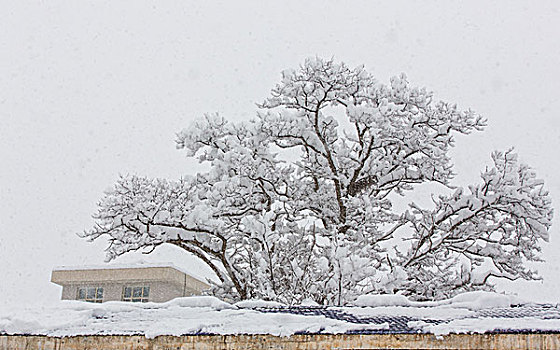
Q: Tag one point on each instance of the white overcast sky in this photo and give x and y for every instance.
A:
(93, 89)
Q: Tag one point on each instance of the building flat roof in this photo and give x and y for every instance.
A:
(127, 266)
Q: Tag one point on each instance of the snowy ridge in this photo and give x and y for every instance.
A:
(469, 312)
(190, 315)
(470, 300)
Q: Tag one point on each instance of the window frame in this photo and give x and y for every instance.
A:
(98, 294)
(136, 293)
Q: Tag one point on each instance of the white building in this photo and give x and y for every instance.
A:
(155, 282)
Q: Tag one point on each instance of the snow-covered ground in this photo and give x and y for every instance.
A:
(190, 315)
(470, 312)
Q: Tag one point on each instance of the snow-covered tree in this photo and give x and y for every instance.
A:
(298, 201)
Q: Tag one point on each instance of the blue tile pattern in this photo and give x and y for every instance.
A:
(400, 324)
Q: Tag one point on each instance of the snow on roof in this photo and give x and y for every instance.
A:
(137, 265)
(208, 315)
(471, 300)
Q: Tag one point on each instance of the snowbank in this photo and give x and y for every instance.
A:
(382, 300)
(483, 300)
(199, 301)
(190, 315)
(472, 300)
(469, 312)
(256, 303)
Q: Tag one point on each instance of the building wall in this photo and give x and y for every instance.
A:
(294, 342)
(193, 286)
(119, 274)
(159, 291)
(165, 283)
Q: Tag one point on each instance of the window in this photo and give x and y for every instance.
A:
(90, 294)
(136, 294)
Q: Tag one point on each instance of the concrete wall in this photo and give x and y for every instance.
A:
(194, 286)
(159, 291)
(296, 342)
(165, 283)
(121, 274)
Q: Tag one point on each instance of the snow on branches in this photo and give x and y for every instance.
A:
(498, 224)
(297, 203)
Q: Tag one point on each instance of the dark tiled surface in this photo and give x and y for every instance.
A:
(400, 324)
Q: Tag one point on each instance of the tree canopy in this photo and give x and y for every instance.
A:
(298, 202)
